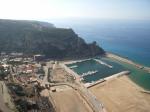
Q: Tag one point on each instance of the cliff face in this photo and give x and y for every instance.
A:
(40, 37)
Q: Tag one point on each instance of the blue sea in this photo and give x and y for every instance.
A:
(127, 38)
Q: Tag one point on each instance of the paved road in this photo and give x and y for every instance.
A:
(89, 97)
(45, 79)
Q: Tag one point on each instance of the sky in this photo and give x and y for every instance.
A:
(51, 9)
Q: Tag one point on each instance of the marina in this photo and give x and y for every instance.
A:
(106, 67)
(95, 70)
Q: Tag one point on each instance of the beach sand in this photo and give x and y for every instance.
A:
(70, 101)
(122, 95)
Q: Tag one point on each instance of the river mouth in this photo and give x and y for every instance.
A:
(102, 71)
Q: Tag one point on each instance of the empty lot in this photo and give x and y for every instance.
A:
(70, 101)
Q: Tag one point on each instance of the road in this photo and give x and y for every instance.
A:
(45, 79)
(87, 95)
(84, 92)
(46, 68)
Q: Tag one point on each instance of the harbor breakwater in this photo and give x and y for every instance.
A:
(114, 56)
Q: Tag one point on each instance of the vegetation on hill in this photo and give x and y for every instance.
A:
(32, 37)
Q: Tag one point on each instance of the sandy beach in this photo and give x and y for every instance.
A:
(121, 95)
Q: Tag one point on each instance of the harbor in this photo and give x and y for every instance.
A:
(92, 70)
(107, 77)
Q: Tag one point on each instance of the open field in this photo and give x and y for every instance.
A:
(122, 95)
(58, 74)
(70, 101)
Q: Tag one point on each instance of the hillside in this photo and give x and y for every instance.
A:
(32, 37)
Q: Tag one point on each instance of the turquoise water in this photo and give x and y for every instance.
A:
(92, 65)
(140, 77)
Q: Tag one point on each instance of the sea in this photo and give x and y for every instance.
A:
(127, 38)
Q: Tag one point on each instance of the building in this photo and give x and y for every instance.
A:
(39, 57)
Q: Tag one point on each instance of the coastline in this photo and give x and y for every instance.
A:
(89, 85)
(140, 82)
(113, 57)
(119, 58)
(123, 93)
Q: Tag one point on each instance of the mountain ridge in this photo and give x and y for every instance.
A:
(33, 37)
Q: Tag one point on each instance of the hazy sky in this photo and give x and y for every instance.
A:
(47, 9)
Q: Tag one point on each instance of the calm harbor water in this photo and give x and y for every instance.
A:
(92, 65)
(140, 77)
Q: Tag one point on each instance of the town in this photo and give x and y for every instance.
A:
(36, 84)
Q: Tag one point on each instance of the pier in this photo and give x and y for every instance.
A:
(117, 75)
(75, 66)
(88, 85)
(103, 63)
(119, 58)
(89, 73)
(77, 61)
